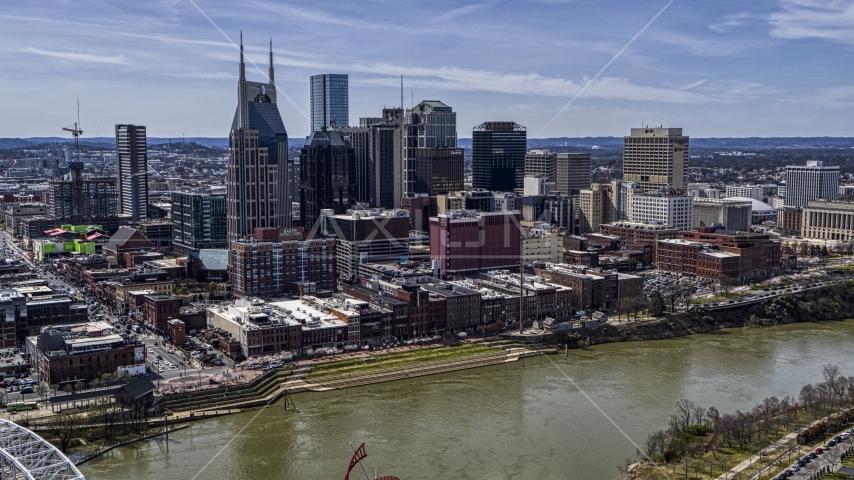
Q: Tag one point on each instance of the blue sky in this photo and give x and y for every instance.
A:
(722, 68)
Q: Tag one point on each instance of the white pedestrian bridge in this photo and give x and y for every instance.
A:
(25, 455)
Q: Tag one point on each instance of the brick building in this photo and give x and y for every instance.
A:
(636, 235)
(465, 243)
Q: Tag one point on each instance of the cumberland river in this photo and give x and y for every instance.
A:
(509, 422)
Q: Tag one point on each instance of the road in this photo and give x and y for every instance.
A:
(830, 458)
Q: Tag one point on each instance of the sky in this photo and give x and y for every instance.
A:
(727, 68)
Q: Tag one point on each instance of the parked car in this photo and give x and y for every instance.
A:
(819, 450)
(27, 390)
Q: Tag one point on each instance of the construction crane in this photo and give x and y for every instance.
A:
(77, 207)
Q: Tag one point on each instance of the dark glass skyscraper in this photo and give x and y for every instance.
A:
(430, 124)
(498, 156)
(329, 101)
(438, 170)
(132, 166)
(327, 176)
(257, 187)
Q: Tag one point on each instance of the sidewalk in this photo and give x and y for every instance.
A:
(755, 458)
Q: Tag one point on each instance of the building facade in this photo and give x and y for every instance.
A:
(498, 156)
(596, 207)
(330, 104)
(367, 236)
(734, 214)
(438, 170)
(327, 177)
(749, 191)
(572, 172)
(132, 168)
(465, 242)
(675, 210)
(387, 158)
(430, 124)
(99, 199)
(828, 220)
(656, 158)
(813, 181)
(198, 221)
(256, 183)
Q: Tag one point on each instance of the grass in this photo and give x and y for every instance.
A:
(836, 476)
(397, 359)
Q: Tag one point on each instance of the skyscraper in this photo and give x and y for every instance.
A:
(573, 172)
(387, 175)
(498, 156)
(132, 166)
(656, 158)
(438, 170)
(811, 182)
(359, 139)
(327, 176)
(257, 190)
(329, 101)
(430, 124)
(198, 221)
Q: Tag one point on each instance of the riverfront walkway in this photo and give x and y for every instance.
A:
(755, 458)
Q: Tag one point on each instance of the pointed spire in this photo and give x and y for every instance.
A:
(270, 72)
(242, 65)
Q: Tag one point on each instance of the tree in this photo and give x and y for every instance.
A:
(626, 306)
(64, 427)
(41, 390)
(656, 304)
(211, 289)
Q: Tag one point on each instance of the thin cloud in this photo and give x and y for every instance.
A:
(458, 12)
(79, 57)
(826, 19)
(202, 75)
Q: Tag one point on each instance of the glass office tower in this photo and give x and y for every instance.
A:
(329, 101)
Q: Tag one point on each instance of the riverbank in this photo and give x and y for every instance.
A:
(106, 448)
(833, 302)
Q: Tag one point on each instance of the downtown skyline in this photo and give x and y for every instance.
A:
(767, 69)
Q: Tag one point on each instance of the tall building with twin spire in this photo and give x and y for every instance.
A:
(256, 176)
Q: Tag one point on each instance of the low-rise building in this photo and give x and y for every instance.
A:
(82, 353)
(261, 327)
(828, 220)
(637, 235)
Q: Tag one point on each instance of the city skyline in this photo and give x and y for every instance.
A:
(769, 69)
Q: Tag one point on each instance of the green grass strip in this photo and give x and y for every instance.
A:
(397, 359)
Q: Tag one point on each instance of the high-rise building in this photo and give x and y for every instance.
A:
(386, 157)
(572, 172)
(542, 163)
(367, 236)
(656, 158)
(327, 176)
(257, 190)
(675, 210)
(198, 221)
(438, 170)
(498, 156)
(359, 139)
(99, 199)
(329, 101)
(597, 207)
(811, 182)
(466, 242)
(430, 124)
(621, 193)
(132, 167)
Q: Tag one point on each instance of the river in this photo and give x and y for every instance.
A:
(509, 422)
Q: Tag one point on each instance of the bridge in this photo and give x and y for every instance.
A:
(25, 455)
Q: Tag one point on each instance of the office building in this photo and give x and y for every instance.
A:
(329, 101)
(811, 182)
(621, 194)
(132, 167)
(465, 242)
(282, 260)
(359, 139)
(828, 220)
(542, 163)
(637, 236)
(198, 221)
(438, 170)
(256, 187)
(498, 156)
(430, 124)
(656, 158)
(327, 176)
(789, 220)
(759, 253)
(386, 155)
(675, 210)
(572, 172)
(597, 207)
(734, 214)
(367, 236)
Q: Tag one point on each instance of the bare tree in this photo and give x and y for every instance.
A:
(64, 427)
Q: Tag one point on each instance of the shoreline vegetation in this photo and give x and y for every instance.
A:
(704, 444)
(832, 302)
